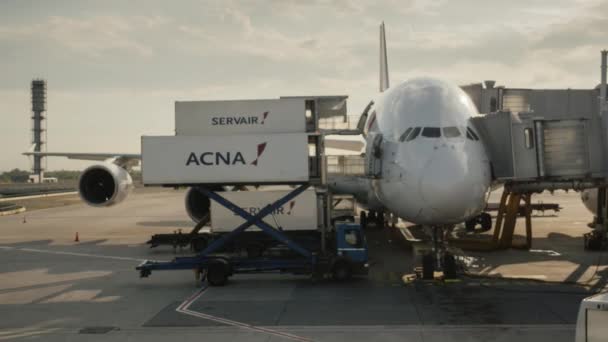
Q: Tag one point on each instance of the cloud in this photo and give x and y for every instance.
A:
(92, 36)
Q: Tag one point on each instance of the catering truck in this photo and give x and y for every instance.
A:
(292, 233)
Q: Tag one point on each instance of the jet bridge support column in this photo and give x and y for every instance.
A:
(598, 238)
(504, 227)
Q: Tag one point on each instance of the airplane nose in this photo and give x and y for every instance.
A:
(447, 186)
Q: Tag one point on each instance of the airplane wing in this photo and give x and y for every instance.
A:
(122, 159)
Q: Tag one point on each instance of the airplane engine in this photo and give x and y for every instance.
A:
(589, 198)
(103, 185)
(198, 206)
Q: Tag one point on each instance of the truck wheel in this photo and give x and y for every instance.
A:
(341, 271)
(428, 266)
(449, 266)
(198, 245)
(254, 251)
(486, 221)
(217, 273)
(363, 220)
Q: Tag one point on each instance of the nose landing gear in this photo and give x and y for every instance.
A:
(439, 258)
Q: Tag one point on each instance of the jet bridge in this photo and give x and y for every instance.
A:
(544, 139)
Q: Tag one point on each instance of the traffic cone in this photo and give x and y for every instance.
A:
(76, 239)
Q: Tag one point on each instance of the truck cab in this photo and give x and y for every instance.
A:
(351, 251)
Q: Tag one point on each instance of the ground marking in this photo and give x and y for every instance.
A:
(184, 308)
(88, 255)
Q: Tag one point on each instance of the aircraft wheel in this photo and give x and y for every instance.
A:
(379, 220)
(363, 219)
(371, 216)
(428, 266)
(486, 221)
(449, 266)
(217, 273)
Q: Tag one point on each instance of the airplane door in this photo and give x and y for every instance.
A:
(373, 155)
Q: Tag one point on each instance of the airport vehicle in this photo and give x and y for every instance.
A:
(591, 319)
(341, 252)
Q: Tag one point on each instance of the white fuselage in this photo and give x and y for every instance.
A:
(441, 176)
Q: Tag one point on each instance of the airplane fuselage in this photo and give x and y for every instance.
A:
(435, 170)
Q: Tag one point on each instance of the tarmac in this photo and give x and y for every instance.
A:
(55, 289)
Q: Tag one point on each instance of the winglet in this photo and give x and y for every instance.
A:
(383, 60)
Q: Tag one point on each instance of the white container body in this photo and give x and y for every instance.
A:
(240, 117)
(236, 159)
(591, 321)
(298, 214)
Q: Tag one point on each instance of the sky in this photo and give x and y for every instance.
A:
(115, 68)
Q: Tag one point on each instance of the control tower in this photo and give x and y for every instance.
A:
(38, 126)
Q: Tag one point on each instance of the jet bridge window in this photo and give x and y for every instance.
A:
(413, 135)
(471, 134)
(431, 132)
(529, 138)
(405, 134)
(451, 132)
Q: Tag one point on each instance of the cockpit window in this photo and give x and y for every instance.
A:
(413, 135)
(451, 132)
(471, 134)
(405, 134)
(431, 132)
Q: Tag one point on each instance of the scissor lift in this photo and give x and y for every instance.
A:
(219, 266)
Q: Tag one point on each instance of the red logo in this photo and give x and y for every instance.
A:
(291, 205)
(264, 117)
(261, 148)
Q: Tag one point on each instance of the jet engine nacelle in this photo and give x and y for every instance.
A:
(198, 206)
(103, 185)
(589, 198)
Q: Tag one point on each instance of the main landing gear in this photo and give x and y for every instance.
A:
(439, 259)
(483, 219)
(375, 218)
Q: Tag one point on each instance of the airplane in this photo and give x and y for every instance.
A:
(430, 164)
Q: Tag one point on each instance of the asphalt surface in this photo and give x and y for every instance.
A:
(55, 289)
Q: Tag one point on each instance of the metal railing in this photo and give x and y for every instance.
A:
(348, 122)
(346, 165)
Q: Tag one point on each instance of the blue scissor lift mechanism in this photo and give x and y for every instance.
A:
(219, 267)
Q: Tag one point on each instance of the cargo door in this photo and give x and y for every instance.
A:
(373, 155)
(565, 149)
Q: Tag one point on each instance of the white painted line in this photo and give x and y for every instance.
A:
(520, 276)
(37, 196)
(100, 256)
(184, 308)
(12, 211)
(27, 334)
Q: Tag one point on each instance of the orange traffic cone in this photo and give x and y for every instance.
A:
(76, 239)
